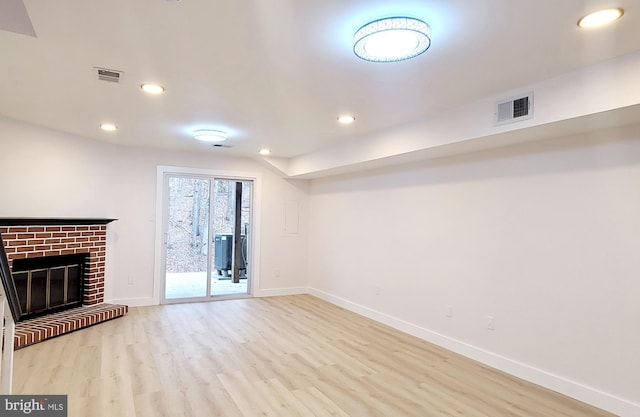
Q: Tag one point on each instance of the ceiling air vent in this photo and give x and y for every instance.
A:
(110, 75)
(514, 109)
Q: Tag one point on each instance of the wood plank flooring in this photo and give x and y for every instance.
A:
(294, 356)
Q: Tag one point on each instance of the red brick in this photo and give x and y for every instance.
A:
(68, 228)
(16, 243)
(67, 252)
(36, 242)
(36, 228)
(53, 228)
(52, 253)
(45, 247)
(17, 229)
(51, 241)
(22, 339)
(9, 236)
(26, 235)
(61, 234)
(35, 254)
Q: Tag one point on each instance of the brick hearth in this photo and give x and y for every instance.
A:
(38, 329)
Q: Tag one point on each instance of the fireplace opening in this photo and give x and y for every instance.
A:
(49, 284)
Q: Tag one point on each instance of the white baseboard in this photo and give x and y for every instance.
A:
(592, 396)
(274, 292)
(133, 302)
(149, 301)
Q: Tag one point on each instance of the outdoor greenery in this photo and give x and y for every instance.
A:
(188, 238)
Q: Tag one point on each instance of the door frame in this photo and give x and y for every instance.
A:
(254, 236)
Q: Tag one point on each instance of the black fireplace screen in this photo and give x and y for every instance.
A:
(50, 283)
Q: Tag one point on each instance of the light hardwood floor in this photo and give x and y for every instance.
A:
(280, 357)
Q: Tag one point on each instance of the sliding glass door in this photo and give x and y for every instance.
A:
(207, 224)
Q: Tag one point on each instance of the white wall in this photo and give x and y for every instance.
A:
(51, 174)
(542, 236)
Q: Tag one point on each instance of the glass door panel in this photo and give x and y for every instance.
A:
(187, 238)
(230, 273)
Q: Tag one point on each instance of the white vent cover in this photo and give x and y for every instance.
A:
(104, 74)
(514, 109)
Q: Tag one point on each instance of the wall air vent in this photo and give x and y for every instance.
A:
(104, 74)
(514, 109)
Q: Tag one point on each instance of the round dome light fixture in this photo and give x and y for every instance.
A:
(392, 39)
(264, 152)
(600, 18)
(207, 135)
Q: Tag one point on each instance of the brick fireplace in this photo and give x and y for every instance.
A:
(26, 238)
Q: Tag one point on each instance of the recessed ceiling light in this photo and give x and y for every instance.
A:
(346, 119)
(265, 151)
(392, 39)
(600, 18)
(109, 127)
(152, 88)
(210, 135)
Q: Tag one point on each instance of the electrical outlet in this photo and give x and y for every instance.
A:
(377, 290)
(448, 311)
(131, 280)
(276, 273)
(491, 323)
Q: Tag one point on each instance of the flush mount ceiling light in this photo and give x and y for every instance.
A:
(600, 18)
(152, 88)
(265, 152)
(210, 135)
(109, 127)
(392, 39)
(346, 119)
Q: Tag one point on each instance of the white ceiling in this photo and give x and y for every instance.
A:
(277, 73)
